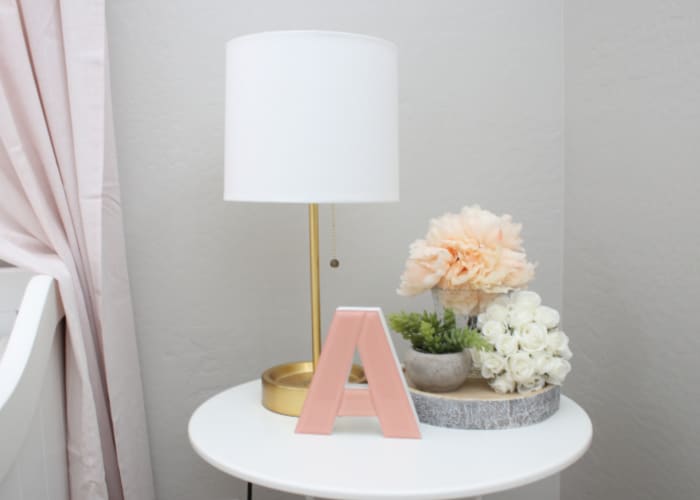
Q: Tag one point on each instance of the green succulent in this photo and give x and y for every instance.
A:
(429, 333)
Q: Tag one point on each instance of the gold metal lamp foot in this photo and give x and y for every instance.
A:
(285, 386)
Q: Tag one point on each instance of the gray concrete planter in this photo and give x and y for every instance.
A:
(437, 372)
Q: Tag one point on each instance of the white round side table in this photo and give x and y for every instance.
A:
(234, 433)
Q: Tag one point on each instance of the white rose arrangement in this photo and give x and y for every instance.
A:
(530, 350)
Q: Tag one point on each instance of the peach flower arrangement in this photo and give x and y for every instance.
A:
(469, 258)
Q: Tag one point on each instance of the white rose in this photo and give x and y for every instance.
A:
(497, 312)
(541, 360)
(503, 383)
(492, 363)
(526, 299)
(506, 344)
(521, 367)
(532, 337)
(547, 316)
(534, 384)
(476, 357)
(481, 319)
(520, 316)
(557, 341)
(493, 329)
(566, 353)
(557, 370)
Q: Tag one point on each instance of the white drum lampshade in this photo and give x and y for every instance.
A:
(311, 117)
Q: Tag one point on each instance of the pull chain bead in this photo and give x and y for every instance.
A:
(335, 263)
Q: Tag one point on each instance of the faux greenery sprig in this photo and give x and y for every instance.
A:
(427, 332)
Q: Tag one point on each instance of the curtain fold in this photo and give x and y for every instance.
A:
(60, 214)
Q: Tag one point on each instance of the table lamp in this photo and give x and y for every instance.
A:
(311, 117)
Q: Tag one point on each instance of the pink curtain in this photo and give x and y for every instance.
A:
(60, 215)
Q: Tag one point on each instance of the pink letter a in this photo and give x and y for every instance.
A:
(386, 396)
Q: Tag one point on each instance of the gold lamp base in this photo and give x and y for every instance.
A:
(285, 386)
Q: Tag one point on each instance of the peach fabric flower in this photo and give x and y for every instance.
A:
(425, 267)
(473, 250)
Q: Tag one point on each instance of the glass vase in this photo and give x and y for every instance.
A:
(461, 301)
(466, 304)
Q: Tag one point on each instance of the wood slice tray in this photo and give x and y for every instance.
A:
(476, 406)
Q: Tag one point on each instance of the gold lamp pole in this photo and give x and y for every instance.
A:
(315, 285)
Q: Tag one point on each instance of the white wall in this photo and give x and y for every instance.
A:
(220, 289)
(632, 278)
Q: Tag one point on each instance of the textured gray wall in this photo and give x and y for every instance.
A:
(220, 289)
(632, 278)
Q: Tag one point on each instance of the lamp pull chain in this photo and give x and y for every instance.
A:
(335, 263)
